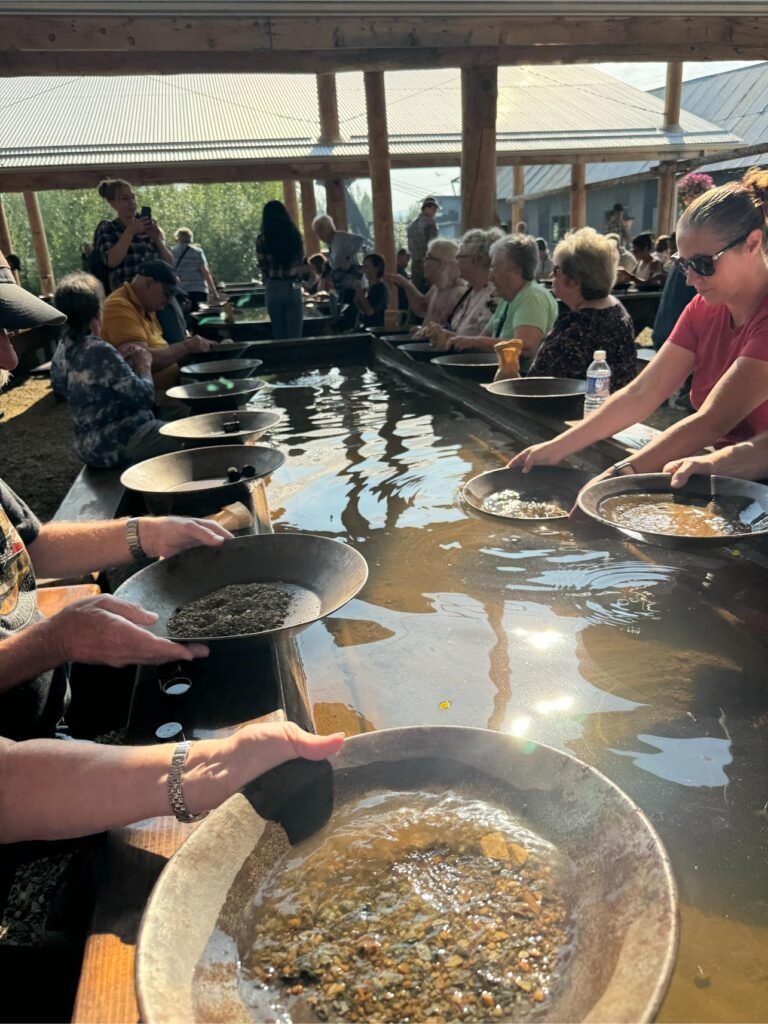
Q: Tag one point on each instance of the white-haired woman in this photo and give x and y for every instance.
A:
(527, 309)
(343, 250)
(442, 273)
(584, 269)
(721, 340)
(191, 266)
(478, 303)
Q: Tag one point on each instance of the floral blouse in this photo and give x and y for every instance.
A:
(473, 311)
(569, 347)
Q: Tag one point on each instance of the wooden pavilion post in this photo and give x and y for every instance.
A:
(42, 255)
(518, 190)
(673, 94)
(6, 245)
(479, 95)
(666, 201)
(290, 201)
(330, 134)
(308, 214)
(666, 204)
(380, 163)
(578, 196)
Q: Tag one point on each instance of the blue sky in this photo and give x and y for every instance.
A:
(409, 186)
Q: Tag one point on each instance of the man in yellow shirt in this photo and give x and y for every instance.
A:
(129, 319)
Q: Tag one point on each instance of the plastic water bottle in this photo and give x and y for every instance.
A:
(598, 383)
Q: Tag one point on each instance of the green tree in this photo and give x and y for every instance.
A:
(224, 218)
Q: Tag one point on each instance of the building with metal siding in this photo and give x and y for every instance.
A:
(735, 100)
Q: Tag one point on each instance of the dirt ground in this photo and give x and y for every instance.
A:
(37, 455)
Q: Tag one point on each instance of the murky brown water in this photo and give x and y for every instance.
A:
(649, 664)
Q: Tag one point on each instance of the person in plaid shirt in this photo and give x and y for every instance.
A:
(126, 242)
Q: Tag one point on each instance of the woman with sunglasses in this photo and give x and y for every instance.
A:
(721, 340)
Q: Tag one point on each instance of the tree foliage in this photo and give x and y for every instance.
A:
(225, 220)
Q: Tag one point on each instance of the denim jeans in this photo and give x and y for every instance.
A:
(285, 307)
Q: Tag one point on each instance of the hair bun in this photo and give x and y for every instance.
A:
(756, 181)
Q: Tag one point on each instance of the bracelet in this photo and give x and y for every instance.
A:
(175, 789)
(133, 541)
(617, 469)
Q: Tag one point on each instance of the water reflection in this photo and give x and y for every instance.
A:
(647, 663)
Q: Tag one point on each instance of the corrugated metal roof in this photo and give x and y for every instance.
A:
(736, 100)
(352, 8)
(54, 122)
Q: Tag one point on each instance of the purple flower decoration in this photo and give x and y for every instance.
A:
(694, 184)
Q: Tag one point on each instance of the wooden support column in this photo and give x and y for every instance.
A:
(379, 164)
(290, 201)
(6, 245)
(43, 257)
(517, 212)
(335, 202)
(330, 134)
(308, 214)
(673, 95)
(578, 196)
(479, 94)
(666, 202)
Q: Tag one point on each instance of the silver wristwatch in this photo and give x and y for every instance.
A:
(175, 789)
(132, 539)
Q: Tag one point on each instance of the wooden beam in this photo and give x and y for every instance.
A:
(6, 245)
(479, 96)
(308, 214)
(40, 242)
(328, 105)
(666, 203)
(381, 186)
(290, 201)
(518, 191)
(578, 196)
(14, 64)
(659, 37)
(672, 96)
(336, 202)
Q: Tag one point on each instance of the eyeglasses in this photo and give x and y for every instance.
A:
(705, 266)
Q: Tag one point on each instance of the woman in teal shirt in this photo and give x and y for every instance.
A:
(527, 310)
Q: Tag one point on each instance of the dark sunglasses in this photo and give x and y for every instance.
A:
(705, 266)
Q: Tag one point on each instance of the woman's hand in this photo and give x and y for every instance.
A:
(166, 536)
(545, 454)
(683, 469)
(153, 230)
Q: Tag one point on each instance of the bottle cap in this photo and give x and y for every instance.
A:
(599, 354)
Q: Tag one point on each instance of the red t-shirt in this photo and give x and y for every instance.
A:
(708, 332)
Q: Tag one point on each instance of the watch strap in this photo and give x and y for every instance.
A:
(175, 785)
(133, 541)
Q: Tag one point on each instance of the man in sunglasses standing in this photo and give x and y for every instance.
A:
(130, 317)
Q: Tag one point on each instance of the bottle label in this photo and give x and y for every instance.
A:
(598, 387)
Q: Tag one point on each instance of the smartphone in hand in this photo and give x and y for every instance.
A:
(146, 212)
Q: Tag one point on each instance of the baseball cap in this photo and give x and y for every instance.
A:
(19, 308)
(162, 272)
(431, 201)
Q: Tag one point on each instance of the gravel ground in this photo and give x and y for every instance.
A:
(37, 456)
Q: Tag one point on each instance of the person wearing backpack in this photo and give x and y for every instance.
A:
(120, 246)
(192, 269)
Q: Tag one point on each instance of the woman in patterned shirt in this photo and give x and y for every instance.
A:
(126, 242)
(585, 265)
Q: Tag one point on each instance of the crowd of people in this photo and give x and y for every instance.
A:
(114, 356)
